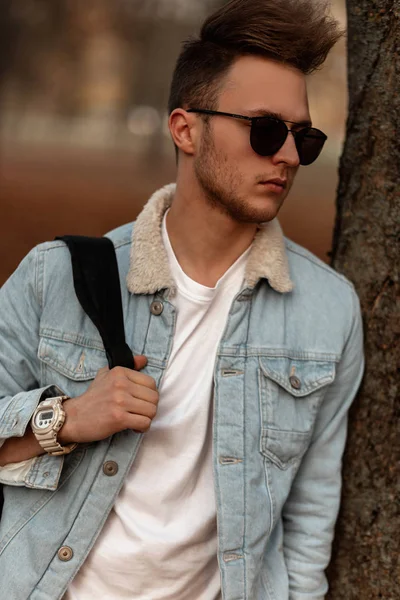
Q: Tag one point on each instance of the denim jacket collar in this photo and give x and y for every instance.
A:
(149, 270)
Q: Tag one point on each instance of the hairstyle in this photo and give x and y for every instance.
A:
(299, 33)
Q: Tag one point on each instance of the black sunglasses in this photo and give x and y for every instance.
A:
(268, 134)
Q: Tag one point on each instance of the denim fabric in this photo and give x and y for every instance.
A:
(286, 372)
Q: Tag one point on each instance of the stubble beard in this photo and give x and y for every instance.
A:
(219, 181)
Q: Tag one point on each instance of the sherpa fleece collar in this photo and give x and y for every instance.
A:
(149, 270)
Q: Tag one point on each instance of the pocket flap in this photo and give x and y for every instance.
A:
(297, 376)
(71, 360)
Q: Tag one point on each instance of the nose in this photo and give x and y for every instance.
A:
(287, 153)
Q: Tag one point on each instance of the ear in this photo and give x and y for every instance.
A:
(184, 130)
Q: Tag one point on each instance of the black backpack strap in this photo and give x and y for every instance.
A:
(97, 286)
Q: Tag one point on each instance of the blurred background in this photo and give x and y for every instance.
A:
(83, 120)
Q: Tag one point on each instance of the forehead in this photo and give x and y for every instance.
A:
(255, 83)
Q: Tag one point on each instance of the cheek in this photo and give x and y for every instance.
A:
(292, 174)
(233, 141)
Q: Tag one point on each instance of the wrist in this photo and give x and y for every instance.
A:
(47, 421)
(15, 450)
(67, 433)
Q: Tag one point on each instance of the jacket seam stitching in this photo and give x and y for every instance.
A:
(316, 262)
(37, 277)
(352, 322)
(70, 338)
(120, 244)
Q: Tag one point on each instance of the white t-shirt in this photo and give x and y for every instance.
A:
(160, 540)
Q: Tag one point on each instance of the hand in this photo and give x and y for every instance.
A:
(117, 399)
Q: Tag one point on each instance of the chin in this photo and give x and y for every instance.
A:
(253, 214)
(258, 210)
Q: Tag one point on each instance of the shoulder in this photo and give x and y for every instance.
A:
(304, 265)
(53, 259)
(57, 251)
(320, 290)
(121, 236)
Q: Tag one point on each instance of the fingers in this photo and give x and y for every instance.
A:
(140, 362)
(134, 377)
(143, 393)
(137, 391)
(138, 423)
(121, 387)
(131, 397)
(142, 379)
(135, 406)
(136, 414)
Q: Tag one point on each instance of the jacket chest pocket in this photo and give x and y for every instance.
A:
(291, 391)
(69, 365)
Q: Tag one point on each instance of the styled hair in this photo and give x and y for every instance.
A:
(299, 33)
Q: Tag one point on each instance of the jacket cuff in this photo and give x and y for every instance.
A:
(42, 472)
(16, 419)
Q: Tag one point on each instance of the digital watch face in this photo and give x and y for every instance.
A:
(44, 418)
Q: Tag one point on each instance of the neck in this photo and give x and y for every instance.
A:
(206, 241)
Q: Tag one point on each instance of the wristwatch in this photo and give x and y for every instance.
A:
(47, 421)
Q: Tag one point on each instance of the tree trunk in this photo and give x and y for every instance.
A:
(365, 563)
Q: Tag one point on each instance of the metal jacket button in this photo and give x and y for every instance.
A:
(65, 553)
(156, 308)
(110, 468)
(295, 382)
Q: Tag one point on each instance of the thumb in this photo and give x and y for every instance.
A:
(140, 362)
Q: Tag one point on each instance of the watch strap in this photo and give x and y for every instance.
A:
(51, 446)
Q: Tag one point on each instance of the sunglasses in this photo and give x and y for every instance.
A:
(268, 134)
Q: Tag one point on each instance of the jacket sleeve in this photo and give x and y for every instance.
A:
(20, 312)
(311, 510)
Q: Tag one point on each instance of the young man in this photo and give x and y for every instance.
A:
(252, 351)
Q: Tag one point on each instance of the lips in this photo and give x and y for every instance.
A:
(277, 181)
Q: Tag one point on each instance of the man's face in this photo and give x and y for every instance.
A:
(233, 177)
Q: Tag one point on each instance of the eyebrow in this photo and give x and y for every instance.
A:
(262, 112)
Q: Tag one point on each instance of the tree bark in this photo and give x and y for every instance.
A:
(365, 563)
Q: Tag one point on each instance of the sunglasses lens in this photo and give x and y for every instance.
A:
(267, 136)
(309, 143)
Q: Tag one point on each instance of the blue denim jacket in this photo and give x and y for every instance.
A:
(288, 366)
